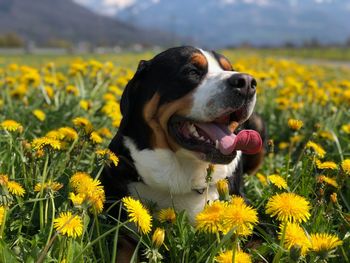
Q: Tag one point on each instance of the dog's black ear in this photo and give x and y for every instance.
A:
(126, 101)
(143, 66)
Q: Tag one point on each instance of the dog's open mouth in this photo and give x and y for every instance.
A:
(216, 138)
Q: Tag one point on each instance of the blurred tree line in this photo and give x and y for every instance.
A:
(11, 39)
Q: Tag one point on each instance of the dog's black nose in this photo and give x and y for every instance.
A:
(244, 84)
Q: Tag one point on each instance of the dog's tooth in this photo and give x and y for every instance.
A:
(208, 141)
(216, 144)
(192, 128)
(195, 133)
(202, 138)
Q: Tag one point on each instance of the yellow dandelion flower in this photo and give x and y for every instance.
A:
(15, 188)
(2, 212)
(278, 181)
(109, 96)
(321, 242)
(95, 137)
(345, 165)
(295, 124)
(19, 91)
(78, 178)
(117, 91)
(77, 199)
(39, 114)
(239, 216)
(326, 165)
(288, 207)
(11, 126)
(296, 138)
(105, 132)
(109, 155)
(346, 128)
(283, 145)
(39, 153)
(210, 219)
(68, 133)
(49, 186)
(112, 110)
(226, 257)
(138, 214)
(85, 104)
(40, 143)
(96, 198)
(84, 123)
(295, 236)
(69, 225)
(262, 178)
(167, 215)
(49, 91)
(72, 90)
(326, 135)
(320, 152)
(222, 188)
(91, 189)
(158, 237)
(328, 180)
(13, 67)
(53, 135)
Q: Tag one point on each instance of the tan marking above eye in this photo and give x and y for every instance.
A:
(225, 64)
(199, 60)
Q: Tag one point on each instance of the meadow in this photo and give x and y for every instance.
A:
(58, 115)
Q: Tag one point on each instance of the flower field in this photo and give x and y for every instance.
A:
(58, 115)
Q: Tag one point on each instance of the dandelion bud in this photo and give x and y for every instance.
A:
(26, 145)
(222, 187)
(321, 192)
(334, 198)
(271, 146)
(210, 171)
(158, 237)
(345, 165)
(294, 124)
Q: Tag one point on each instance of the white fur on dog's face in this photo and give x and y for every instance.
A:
(207, 97)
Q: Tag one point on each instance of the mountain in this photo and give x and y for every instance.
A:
(44, 20)
(218, 23)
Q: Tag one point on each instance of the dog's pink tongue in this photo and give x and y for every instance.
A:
(248, 141)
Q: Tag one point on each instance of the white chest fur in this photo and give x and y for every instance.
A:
(169, 178)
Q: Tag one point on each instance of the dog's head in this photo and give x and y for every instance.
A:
(193, 100)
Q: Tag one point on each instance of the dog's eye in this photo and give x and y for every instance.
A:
(192, 71)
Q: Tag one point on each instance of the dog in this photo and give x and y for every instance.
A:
(184, 109)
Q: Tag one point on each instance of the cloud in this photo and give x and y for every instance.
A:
(119, 4)
(256, 2)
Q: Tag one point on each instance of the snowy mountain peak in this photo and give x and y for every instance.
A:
(224, 22)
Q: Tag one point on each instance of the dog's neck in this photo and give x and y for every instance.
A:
(175, 173)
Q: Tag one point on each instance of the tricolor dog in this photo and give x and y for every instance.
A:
(184, 109)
